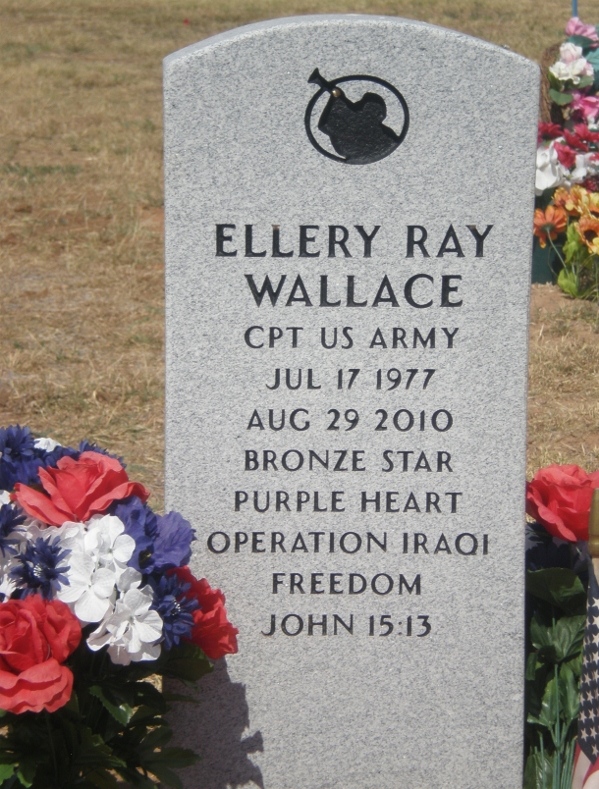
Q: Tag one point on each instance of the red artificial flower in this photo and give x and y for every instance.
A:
(36, 637)
(212, 631)
(77, 489)
(549, 131)
(559, 497)
(584, 133)
(576, 142)
(565, 154)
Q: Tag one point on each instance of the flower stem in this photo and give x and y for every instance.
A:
(558, 253)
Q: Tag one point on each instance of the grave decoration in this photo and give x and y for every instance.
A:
(557, 561)
(95, 598)
(567, 178)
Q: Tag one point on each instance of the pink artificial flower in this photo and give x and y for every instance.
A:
(570, 53)
(588, 106)
(577, 28)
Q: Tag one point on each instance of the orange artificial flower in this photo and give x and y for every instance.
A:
(577, 201)
(550, 223)
(588, 230)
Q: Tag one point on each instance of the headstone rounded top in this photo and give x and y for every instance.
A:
(379, 21)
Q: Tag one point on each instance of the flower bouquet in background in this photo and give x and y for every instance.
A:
(568, 162)
(95, 599)
(557, 561)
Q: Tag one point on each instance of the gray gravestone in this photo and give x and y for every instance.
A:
(348, 238)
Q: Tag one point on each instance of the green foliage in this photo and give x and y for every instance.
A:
(557, 613)
(579, 276)
(112, 730)
(560, 98)
(558, 586)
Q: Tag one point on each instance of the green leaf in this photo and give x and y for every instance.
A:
(549, 713)
(146, 715)
(121, 713)
(538, 773)
(175, 757)
(531, 666)
(166, 775)
(559, 586)
(148, 695)
(585, 82)
(94, 752)
(581, 41)
(26, 772)
(102, 779)
(6, 771)
(187, 662)
(157, 738)
(568, 282)
(560, 98)
(564, 638)
(568, 694)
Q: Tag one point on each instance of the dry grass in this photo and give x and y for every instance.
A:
(563, 418)
(81, 307)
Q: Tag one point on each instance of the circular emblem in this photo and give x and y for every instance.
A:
(356, 119)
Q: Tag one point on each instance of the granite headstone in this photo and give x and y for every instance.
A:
(348, 239)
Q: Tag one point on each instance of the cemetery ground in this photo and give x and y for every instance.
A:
(81, 231)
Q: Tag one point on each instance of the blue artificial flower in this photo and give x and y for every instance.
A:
(85, 446)
(40, 570)
(175, 608)
(18, 458)
(141, 524)
(172, 546)
(160, 542)
(10, 518)
(543, 550)
(50, 458)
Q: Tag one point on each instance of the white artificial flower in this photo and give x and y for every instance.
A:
(99, 554)
(583, 167)
(131, 631)
(572, 65)
(550, 172)
(106, 540)
(8, 557)
(129, 579)
(90, 592)
(7, 587)
(90, 589)
(47, 444)
(7, 584)
(4, 497)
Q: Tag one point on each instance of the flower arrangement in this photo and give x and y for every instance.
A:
(96, 598)
(567, 175)
(557, 561)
